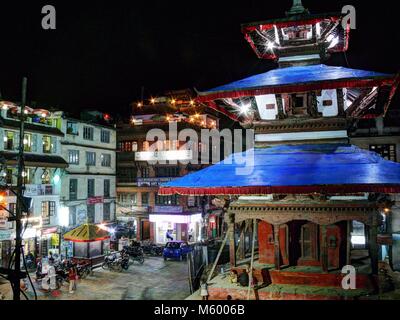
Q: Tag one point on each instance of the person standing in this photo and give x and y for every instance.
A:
(72, 275)
(204, 291)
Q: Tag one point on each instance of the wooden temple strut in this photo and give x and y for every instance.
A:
(252, 258)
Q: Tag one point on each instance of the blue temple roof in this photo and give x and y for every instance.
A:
(296, 75)
(331, 168)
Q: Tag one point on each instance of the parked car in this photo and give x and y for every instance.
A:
(176, 250)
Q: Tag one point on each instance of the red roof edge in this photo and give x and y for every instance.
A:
(254, 190)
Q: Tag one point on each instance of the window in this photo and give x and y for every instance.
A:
(47, 144)
(167, 172)
(9, 140)
(126, 175)
(145, 198)
(90, 158)
(145, 172)
(127, 146)
(28, 176)
(9, 176)
(88, 133)
(48, 210)
(91, 190)
(106, 211)
(167, 200)
(387, 151)
(73, 189)
(146, 146)
(105, 136)
(73, 156)
(91, 213)
(107, 188)
(27, 142)
(72, 128)
(327, 103)
(105, 160)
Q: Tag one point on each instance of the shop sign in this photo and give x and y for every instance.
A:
(94, 200)
(168, 209)
(49, 230)
(55, 240)
(5, 235)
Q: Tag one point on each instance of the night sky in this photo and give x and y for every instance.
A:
(102, 53)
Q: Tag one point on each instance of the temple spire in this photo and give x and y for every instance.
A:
(297, 8)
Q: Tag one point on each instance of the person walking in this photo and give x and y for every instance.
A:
(72, 275)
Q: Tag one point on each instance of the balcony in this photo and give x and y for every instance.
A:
(39, 190)
(169, 155)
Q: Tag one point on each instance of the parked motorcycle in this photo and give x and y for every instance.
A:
(152, 249)
(135, 253)
(124, 260)
(112, 262)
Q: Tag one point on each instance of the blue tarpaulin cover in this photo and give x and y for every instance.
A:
(337, 168)
(295, 75)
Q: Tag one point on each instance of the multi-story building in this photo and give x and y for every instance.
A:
(140, 170)
(43, 167)
(88, 185)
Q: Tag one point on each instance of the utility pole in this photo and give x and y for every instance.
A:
(19, 205)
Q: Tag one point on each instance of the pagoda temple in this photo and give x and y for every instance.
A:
(316, 203)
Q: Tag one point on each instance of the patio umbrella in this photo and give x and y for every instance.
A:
(87, 233)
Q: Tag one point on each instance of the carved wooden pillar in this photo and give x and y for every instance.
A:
(277, 251)
(242, 242)
(373, 247)
(340, 100)
(348, 242)
(279, 103)
(324, 249)
(232, 243)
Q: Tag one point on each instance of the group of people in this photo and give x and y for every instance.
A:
(169, 236)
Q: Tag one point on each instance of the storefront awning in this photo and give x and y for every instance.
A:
(297, 169)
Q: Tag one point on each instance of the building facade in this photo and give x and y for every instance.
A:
(43, 168)
(142, 167)
(88, 185)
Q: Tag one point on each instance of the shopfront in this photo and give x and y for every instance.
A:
(178, 226)
(5, 247)
(50, 241)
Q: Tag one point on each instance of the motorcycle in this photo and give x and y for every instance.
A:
(124, 261)
(135, 253)
(152, 249)
(83, 270)
(112, 262)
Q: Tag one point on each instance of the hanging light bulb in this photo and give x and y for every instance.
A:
(270, 45)
(139, 104)
(244, 108)
(152, 101)
(191, 102)
(173, 101)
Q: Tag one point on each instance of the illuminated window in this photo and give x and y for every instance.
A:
(27, 142)
(72, 128)
(106, 160)
(47, 147)
(387, 151)
(73, 156)
(9, 140)
(146, 146)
